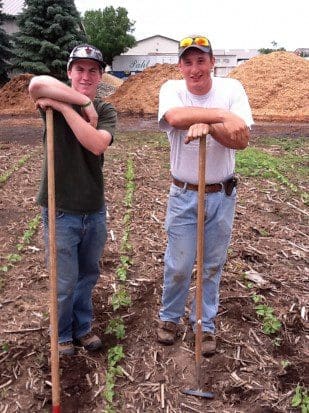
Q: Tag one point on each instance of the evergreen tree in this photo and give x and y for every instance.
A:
(4, 50)
(48, 30)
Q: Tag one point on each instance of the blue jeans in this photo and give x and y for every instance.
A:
(80, 240)
(180, 254)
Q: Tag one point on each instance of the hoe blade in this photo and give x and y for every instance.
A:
(199, 393)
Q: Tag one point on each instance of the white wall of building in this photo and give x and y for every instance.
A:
(154, 45)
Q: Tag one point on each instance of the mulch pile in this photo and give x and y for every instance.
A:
(14, 96)
(276, 85)
(139, 94)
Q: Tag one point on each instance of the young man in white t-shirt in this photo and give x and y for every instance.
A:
(197, 106)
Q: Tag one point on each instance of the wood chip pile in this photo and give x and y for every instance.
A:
(14, 96)
(139, 94)
(276, 84)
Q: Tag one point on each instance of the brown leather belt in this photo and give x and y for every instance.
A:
(193, 187)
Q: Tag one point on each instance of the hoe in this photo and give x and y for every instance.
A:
(199, 278)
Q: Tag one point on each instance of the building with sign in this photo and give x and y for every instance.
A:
(160, 49)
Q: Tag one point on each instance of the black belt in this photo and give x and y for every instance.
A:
(228, 186)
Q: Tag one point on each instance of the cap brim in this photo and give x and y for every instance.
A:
(205, 49)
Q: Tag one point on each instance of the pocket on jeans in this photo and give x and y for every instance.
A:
(59, 214)
(233, 194)
(176, 191)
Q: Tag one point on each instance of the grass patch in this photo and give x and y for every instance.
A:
(284, 161)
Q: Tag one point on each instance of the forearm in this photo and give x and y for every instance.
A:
(49, 87)
(226, 127)
(96, 141)
(236, 140)
(184, 117)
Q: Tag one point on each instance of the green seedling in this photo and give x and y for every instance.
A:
(116, 326)
(13, 257)
(120, 298)
(5, 268)
(114, 355)
(121, 271)
(285, 363)
(29, 232)
(277, 341)
(6, 175)
(271, 324)
(257, 298)
(5, 347)
(301, 399)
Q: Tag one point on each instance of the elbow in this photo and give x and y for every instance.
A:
(172, 118)
(243, 143)
(102, 145)
(34, 87)
(99, 151)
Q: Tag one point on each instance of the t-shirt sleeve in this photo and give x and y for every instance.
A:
(168, 98)
(240, 104)
(107, 117)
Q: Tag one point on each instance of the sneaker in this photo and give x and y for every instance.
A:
(66, 348)
(90, 342)
(167, 332)
(208, 344)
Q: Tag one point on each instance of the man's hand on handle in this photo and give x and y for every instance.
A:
(197, 131)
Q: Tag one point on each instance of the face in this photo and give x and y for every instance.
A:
(196, 67)
(85, 76)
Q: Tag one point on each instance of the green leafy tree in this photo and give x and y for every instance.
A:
(5, 51)
(275, 48)
(48, 30)
(109, 30)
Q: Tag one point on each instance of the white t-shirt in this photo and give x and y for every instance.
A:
(226, 94)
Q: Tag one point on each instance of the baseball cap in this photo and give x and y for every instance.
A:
(86, 51)
(196, 41)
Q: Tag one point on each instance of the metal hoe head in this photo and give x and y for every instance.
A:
(199, 393)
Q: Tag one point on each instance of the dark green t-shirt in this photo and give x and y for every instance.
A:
(79, 186)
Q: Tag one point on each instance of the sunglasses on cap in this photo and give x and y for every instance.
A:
(199, 41)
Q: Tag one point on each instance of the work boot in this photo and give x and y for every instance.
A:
(90, 342)
(66, 348)
(166, 332)
(208, 344)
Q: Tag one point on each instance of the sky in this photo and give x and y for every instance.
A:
(229, 24)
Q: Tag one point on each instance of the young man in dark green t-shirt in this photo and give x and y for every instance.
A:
(83, 130)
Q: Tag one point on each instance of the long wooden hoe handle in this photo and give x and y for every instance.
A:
(200, 257)
(52, 262)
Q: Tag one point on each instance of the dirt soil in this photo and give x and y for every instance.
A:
(250, 373)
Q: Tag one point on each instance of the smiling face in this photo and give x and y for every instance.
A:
(196, 67)
(85, 75)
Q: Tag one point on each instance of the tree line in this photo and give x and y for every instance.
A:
(49, 29)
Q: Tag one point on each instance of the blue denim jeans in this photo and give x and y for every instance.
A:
(80, 240)
(180, 254)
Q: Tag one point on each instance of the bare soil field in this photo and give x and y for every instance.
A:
(251, 372)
